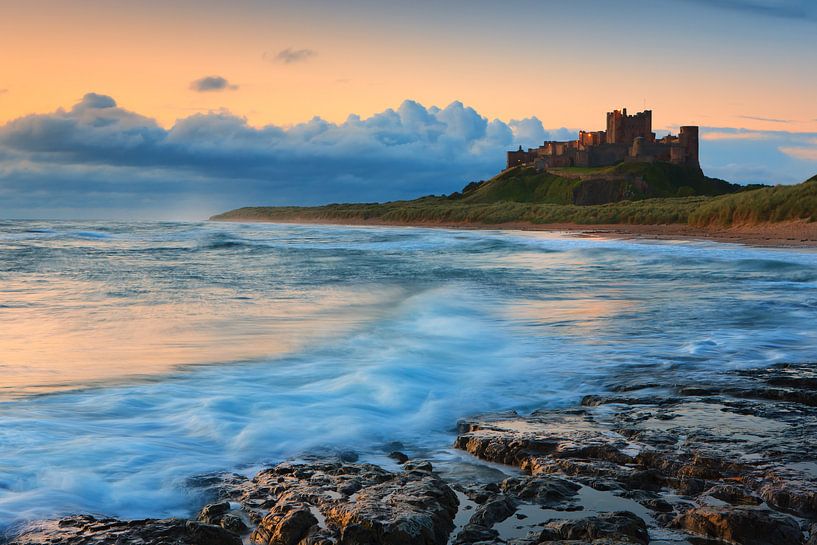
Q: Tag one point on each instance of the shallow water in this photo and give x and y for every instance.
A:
(134, 356)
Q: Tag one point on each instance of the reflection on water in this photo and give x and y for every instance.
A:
(323, 337)
(68, 335)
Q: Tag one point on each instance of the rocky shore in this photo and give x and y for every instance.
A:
(655, 459)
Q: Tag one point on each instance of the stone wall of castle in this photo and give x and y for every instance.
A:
(627, 138)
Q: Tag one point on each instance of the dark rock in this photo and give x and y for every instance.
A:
(474, 533)
(233, 523)
(89, 530)
(799, 498)
(348, 456)
(736, 495)
(212, 513)
(622, 527)
(546, 491)
(742, 526)
(399, 456)
(812, 540)
(493, 511)
(351, 504)
(287, 524)
(420, 465)
(645, 479)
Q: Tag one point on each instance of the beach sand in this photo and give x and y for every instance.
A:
(792, 234)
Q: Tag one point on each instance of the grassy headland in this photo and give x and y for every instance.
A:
(631, 194)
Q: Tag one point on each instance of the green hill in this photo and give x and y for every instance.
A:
(524, 196)
(585, 186)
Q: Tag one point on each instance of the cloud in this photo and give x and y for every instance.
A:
(96, 102)
(786, 9)
(97, 155)
(100, 159)
(767, 119)
(290, 56)
(735, 134)
(212, 83)
(756, 156)
(802, 153)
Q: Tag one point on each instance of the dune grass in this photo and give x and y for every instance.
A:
(770, 204)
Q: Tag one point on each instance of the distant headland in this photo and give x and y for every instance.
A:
(623, 180)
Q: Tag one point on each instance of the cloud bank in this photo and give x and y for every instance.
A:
(786, 9)
(98, 159)
(212, 83)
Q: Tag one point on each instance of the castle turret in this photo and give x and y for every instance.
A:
(623, 128)
(688, 138)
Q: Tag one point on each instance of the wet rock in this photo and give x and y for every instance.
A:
(799, 498)
(286, 524)
(420, 465)
(735, 495)
(349, 503)
(348, 456)
(742, 526)
(474, 533)
(493, 511)
(233, 523)
(812, 540)
(220, 515)
(398, 456)
(545, 491)
(741, 440)
(622, 527)
(212, 513)
(89, 530)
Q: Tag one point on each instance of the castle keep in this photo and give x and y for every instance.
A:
(627, 138)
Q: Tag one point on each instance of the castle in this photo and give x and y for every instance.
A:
(627, 138)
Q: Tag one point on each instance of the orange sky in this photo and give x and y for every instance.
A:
(560, 67)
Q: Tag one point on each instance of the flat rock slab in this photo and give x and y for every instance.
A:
(730, 460)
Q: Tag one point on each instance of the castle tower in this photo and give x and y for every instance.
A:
(688, 138)
(614, 126)
(623, 128)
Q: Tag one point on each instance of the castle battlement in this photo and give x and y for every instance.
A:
(627, 138)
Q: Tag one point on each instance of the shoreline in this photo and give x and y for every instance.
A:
(609, 470)
(790, 234)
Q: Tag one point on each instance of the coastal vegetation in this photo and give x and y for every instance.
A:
(630, 193)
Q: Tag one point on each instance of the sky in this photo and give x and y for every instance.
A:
(182, 109)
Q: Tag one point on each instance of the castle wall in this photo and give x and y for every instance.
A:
(518, 157)
(623, 128)
(606, 154)
(628, 138)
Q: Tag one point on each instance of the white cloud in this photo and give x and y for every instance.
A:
(736, 135)
(806, 154)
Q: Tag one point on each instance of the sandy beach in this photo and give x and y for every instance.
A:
(792, 234)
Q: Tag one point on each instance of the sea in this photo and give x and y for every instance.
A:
(138, 357)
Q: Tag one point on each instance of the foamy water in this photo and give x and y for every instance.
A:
(134, 356)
